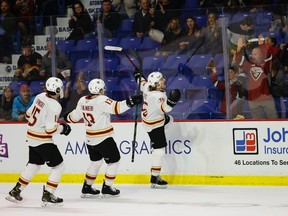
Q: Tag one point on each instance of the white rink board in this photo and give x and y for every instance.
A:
(195, 148)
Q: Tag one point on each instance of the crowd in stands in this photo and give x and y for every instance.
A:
(185, 29)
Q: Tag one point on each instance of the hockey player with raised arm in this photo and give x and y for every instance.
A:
(95, 109)
(42, 124)
(154, 118)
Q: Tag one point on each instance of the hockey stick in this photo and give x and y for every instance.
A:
(246, 55)
(139, 59)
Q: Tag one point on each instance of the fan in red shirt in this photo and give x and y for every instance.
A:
(257, 67)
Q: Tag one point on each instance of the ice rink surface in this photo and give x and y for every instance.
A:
(141, 200)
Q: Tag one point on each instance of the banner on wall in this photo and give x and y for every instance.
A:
(6, 75)
(194, 148)
(92, 6)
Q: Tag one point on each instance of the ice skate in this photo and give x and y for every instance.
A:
(88, 191)
(109, 191)
(158, 182)
(49, 199)
(14, 194)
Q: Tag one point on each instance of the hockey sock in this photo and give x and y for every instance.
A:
(157, 155)
(54, 178)
(111, 172)
(92, 171)
(28, 173)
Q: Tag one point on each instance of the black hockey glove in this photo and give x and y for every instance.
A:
(66, 129)
(133, 100)
(138, 74)
(173, 97)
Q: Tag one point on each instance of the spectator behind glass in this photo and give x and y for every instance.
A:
(128, 7)
(278, 83)
(28, 64)
(171, 34)
(7, 30)
(109, 17)
(71, 96)
(22, 103)
(25, 10)
(170, 9)
(257, 68)
(190, 40)
(80, 22)
(63, 63)
(6, 104)
(238, 91)
(212, 34)
(243, 28)
(146, 18)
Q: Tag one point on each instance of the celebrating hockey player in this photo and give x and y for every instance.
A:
(154, 118)
(95, 110)
(42, 124)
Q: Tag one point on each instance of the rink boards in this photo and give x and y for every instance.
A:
(198, 152)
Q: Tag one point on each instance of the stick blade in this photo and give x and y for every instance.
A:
(113, 48)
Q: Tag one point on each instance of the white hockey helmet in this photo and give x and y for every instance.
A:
(54, 84)
(96, 86)
(154, 78)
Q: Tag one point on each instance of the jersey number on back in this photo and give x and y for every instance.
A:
(33, 116)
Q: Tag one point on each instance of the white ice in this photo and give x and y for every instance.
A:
(141, 200)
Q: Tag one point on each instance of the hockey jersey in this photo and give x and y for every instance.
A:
(95, 112)
(42, 119)
(154, 107)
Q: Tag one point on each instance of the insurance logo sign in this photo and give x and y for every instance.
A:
(245, 140)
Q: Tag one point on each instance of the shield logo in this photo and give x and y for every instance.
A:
(256, 72)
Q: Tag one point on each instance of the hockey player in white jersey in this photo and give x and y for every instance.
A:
(95, 109)
(154, 118)
(42, 124)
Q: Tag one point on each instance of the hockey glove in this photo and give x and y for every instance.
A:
(133, 100)
(173, 97)
(66, 129)
(138, 74)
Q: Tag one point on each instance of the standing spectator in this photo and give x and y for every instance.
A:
(63, 62)
(42, 124)
(243, 28)
(238, 91)
(258, 68)
(7, 29)
(28, 64)
(128, 7)
(25, 10)
(278, 83)
(109, 17)
(212, 34)
(145, 19)
(22, 103)
(80, 22)
(95, 109)
(6, 104)
(169, 10)
(154, 118)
